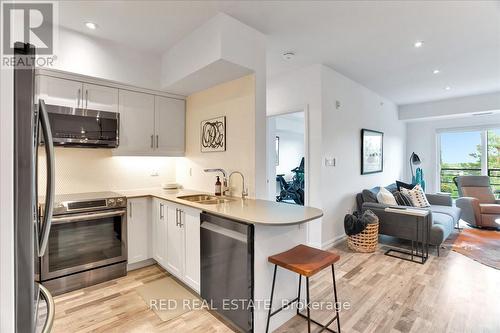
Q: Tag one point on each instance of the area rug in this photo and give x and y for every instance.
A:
(480, 245)
(167, 298)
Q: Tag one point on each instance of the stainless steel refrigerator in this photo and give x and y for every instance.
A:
(34, 306)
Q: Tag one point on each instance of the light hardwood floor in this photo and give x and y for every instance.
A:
(451, 293)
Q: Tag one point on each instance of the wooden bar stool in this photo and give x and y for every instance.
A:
(305, 261)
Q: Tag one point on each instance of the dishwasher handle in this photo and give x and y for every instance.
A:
(225, 232)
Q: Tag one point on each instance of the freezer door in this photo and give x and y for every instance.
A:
(24, 189)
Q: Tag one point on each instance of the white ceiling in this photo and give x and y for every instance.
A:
(368, 41)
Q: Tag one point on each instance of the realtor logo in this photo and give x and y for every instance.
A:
(28, 22)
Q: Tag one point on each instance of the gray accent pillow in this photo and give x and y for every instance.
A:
(369, 196)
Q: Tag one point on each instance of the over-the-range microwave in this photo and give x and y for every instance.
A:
(75, 127)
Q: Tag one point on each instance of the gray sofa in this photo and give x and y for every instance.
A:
(442, 219)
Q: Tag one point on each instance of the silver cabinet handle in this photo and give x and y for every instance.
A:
(130, 209)
(180, 218)
(49, 191)
(86, 98)
(79, 95)
(157, 136)
(161, 211)
(152, 140)
(47, 327)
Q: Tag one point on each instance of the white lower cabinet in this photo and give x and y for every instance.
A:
(159, 232)
(176, 240)
(191, 225)
(138, 229)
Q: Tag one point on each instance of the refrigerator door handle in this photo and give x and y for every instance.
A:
(49, 192)
(47, 327)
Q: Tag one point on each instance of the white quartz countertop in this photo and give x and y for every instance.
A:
(254, 211)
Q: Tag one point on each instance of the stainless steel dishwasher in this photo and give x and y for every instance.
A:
(227, 269)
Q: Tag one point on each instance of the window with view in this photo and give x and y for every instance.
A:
(462, 153)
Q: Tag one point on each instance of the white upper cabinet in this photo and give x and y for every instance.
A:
(136, 123)
(58, 91)
(150, 124)
(76, 94)
(99, 97)
(170, 123)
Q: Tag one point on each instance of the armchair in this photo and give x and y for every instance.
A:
(476, 199)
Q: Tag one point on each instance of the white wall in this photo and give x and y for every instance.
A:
(451, 107)
(93, 170)
(422, 139)
(341, 138)
(87, 55)
(236, 101)
(291, 152)
(336, 133)
(295, 91)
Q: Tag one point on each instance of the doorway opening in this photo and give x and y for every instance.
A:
(287, 151)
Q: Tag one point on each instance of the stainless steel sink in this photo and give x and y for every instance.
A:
(205, 199)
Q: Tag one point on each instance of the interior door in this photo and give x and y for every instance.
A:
(170, 120)
(100, 97)
(136, 122)
(175, 242)
(58, 91)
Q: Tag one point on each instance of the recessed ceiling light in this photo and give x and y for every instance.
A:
(288, 55)
(91, 25)
(447, 88)
(418, 44)
(436, 71)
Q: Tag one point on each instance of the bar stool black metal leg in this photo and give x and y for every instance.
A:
(336, 300)
(298, 295)
(271, 299)
(308, 308)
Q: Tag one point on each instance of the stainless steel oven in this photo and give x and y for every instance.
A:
(74, 127)
(87, 242)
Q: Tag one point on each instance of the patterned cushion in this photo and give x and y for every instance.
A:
(417, 196)
(402, 199)
(386, 197)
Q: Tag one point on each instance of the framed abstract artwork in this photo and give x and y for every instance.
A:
(213, 135)
(372, 151)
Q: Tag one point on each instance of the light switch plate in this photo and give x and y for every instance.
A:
(330, 161)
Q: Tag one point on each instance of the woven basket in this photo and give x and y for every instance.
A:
(366, 241)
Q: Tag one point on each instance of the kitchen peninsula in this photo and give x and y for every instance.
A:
(275, 227)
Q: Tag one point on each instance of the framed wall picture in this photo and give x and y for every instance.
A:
(372, 151)
(213, 135)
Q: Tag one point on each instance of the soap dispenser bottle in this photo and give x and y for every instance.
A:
(218, 187)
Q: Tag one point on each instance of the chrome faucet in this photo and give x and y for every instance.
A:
(225, 188)
(244, 192)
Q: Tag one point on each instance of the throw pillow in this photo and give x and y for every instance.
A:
(417, 196)
(401, 185)
(402, 199)
(369, 196)
(386, 197)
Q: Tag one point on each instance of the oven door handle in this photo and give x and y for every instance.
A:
(85, 217)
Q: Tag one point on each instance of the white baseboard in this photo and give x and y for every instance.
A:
(140, 264)
(334, 241)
